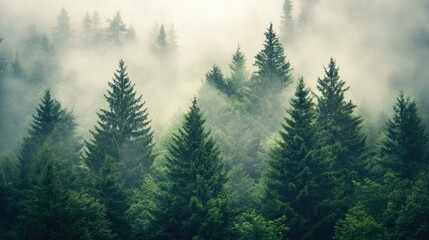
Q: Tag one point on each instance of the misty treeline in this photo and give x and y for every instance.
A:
(236, 165)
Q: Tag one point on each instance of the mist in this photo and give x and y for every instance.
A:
(380, 47)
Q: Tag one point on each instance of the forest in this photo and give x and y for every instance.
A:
(111, 133)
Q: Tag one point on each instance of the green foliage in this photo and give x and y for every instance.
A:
(403, 149)
(413, 218)
(273, 71)
(192, 203)
(342, 127)
(123, 131)
(357, 225)
(52, 134)
(252, 226)
(301, 166)
(110, 190)
(51, 212)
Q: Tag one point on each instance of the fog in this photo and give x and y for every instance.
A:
(380, 46)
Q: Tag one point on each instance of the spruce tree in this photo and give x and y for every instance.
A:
(160, 47)
(192, 203)
(238, 67)
(300, 166)
(403, 148)
(53, 212)
(123, 131)
(273, 70)
(116, 28)
(110, 190)
(63, 31)
(52, 132)
(342, 126)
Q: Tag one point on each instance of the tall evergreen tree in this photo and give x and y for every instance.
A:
(343, 131)
(116, 28)
(299, 168)
(52, 132)
(161, 47)
(123, 131)
(192, 205)
(273, 70)
(342, 126)
(238, 67)
(52, 212)
(110, 190)
(63, 31)
(403, 148)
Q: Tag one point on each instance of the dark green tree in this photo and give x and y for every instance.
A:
(336, 116)
(273, 70)
(403, 148)
(215, 78)
(300, 166)
(110, 190)
(52, 132)
(192, 204)
(123, 131)
(357, 225)
(52, 212)
(62, 31)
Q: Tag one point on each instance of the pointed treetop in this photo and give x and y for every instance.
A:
(271, 62)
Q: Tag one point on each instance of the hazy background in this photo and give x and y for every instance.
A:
(381, 47)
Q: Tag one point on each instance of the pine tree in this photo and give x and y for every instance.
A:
(358, 225)
(287, 25)
(111, 192)
(299, 168)
(238, 67)
(161, 47)
(63, 31)
(342, 126)
(123, 131)
(403, 149)
(215, 78)
(116, 28)
(53, 133)
(193, 205)
(273, 71)
(52, 212)
(342, 129)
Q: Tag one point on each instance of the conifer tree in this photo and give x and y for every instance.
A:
(215, 78)
(52, 132)
(160, 47)
(299, 168)
(192, 204)
(273, 70)
(111, 192)
(53, 212)
(63, 31)
(238, 67)
(123, 131)
(403, 148)
(116, 28)
(342, 126)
